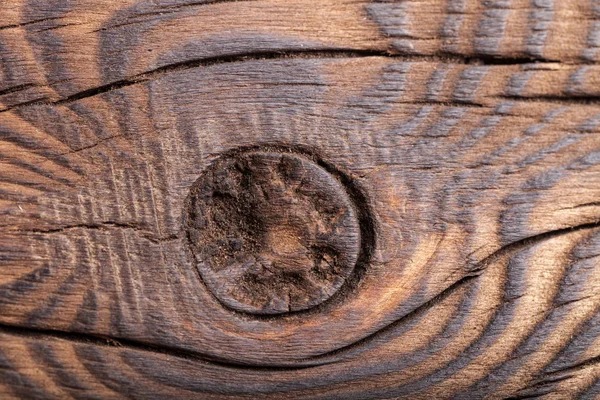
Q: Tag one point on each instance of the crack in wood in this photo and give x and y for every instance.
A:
(336, 355)
(105, 226)
(586, 100)
(117, 342)
(284, 54)
(163, 10)
(19, 88)
(27, 23)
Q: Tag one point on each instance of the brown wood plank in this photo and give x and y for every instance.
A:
(467, 137)
(54, 51)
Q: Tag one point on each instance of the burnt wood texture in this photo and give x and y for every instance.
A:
(333, 199)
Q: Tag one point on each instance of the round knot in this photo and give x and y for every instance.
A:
(271, 232)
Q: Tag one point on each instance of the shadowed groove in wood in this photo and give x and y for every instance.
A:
(474, 272)
(583, 100)
(280, 55)
(103, 341)
(327, 358)
(27, 23)
(166, 9)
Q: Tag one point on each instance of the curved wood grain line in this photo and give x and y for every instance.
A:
(456, 366)
(323, 359)
(474, 271)
(283, 54)
(114, 342)
(31, 22)
(533, 342)
(131, 13)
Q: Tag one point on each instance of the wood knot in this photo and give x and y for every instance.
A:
(272, 232)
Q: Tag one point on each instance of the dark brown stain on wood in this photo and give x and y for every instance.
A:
(457, 142)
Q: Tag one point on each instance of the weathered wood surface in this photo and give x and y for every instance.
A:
(472, 129)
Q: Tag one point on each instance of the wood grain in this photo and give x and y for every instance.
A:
(471, 131)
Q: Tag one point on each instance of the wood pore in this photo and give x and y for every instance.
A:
(458, 142)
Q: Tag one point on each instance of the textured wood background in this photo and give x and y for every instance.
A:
(473, 128)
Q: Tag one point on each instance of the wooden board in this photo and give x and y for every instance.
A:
(459, 140)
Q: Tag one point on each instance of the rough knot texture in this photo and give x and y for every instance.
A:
(271, 232)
